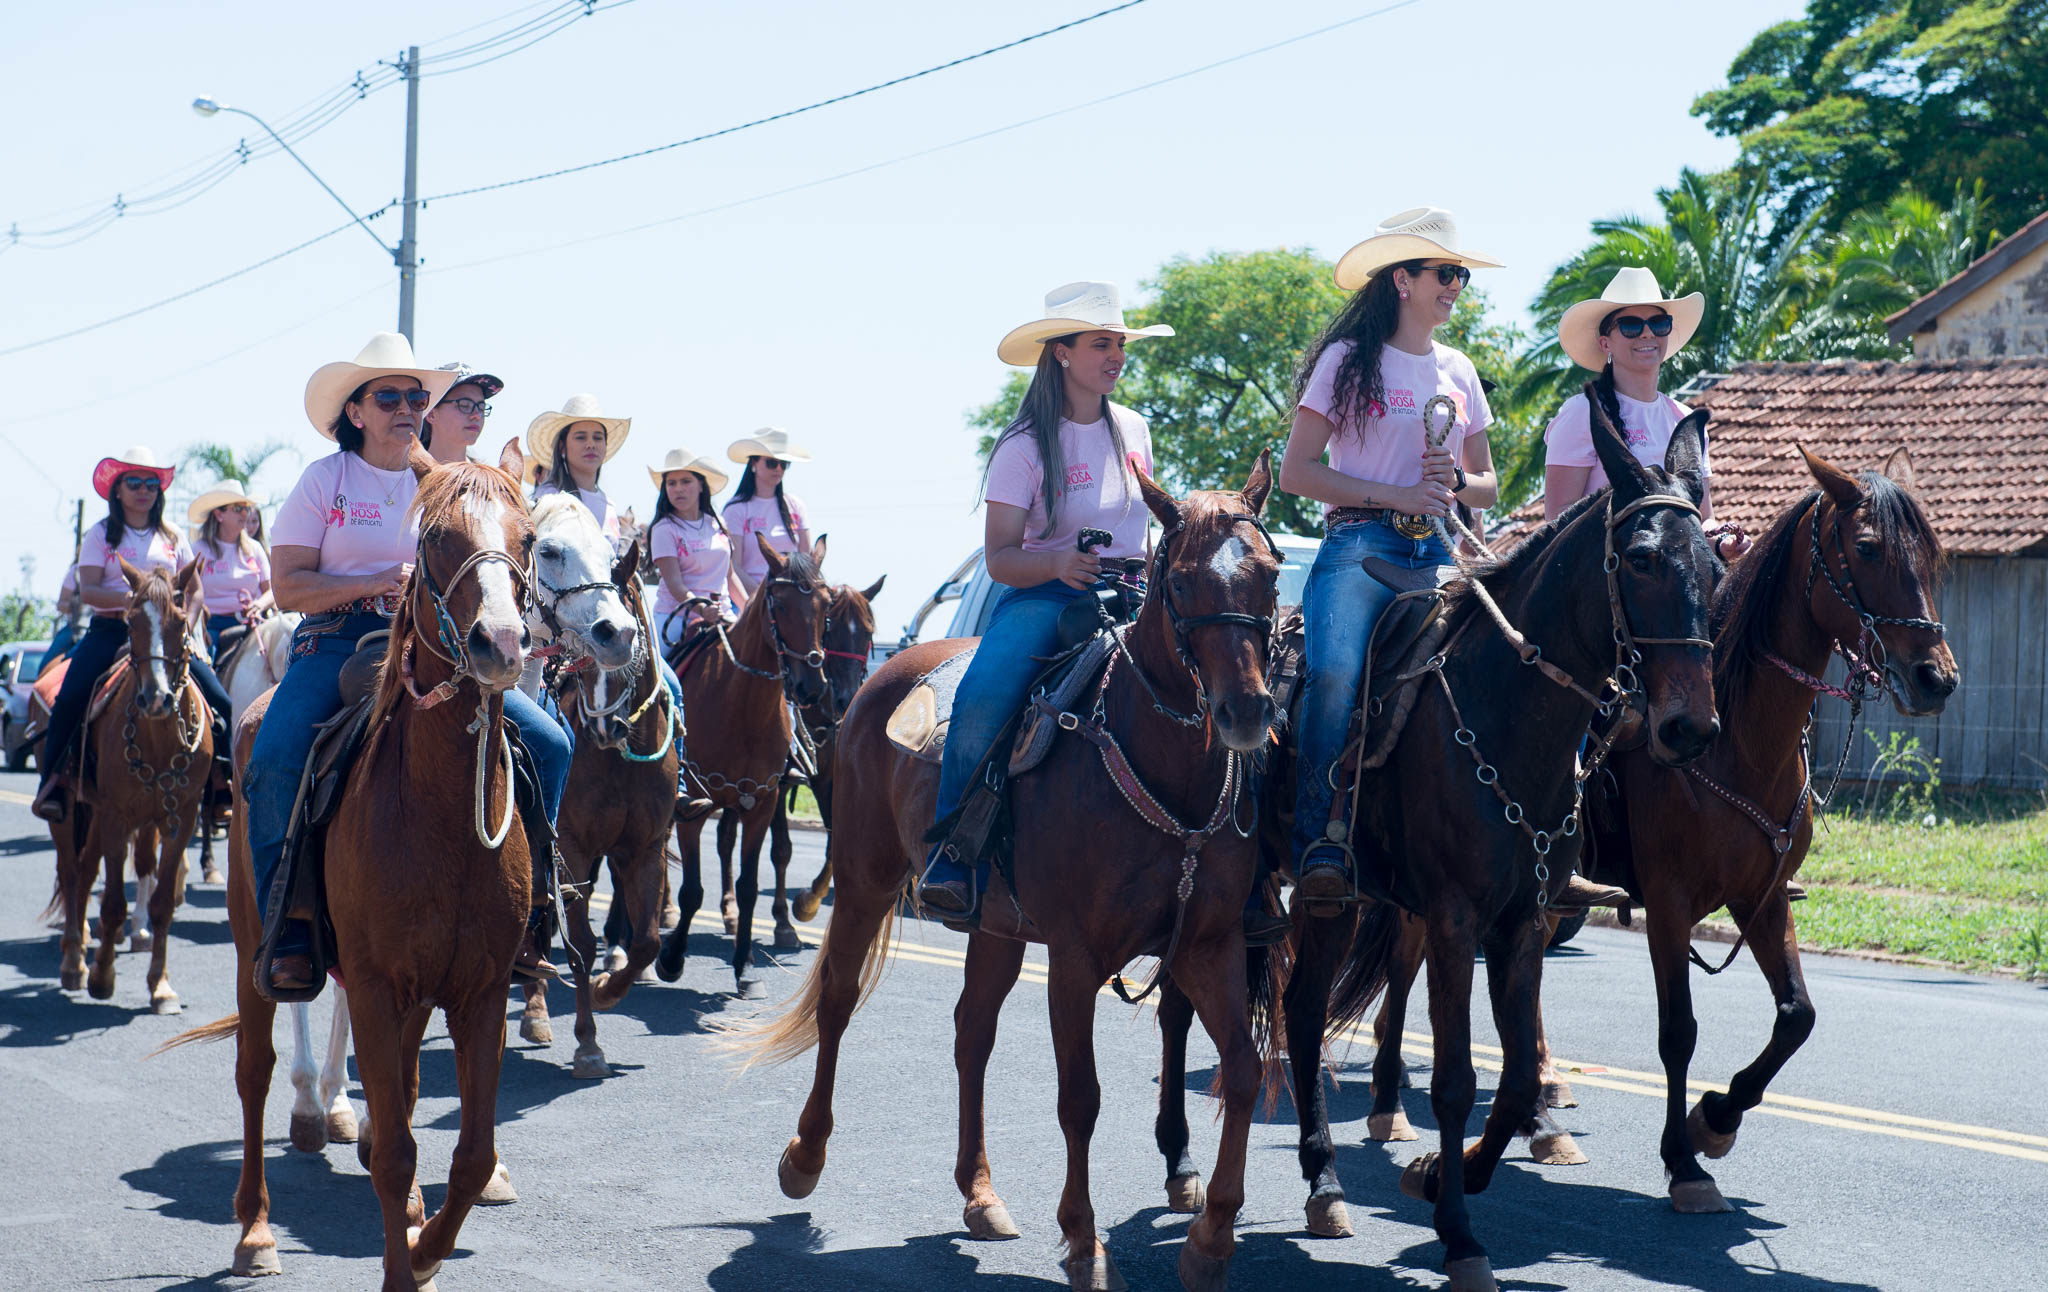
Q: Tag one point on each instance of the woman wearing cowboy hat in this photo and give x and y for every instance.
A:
(454, 423)
(1625, 334)
(691, 547)
(781, 515)
(576, 443)
(233, 566)
(341, 554)
(1370, 391)
(134, 531)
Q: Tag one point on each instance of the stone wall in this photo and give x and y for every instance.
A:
(2006, 316)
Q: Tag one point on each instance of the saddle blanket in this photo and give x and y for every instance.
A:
(918, 726)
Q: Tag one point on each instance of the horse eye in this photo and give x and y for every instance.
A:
(1868, 549)
(1642, 562)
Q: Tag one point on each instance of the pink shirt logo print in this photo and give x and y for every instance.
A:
(337, 515)
(1079, 477)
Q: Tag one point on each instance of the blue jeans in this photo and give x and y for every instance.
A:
(1025, 625)
(310, 694)
(1340, 606)
(90, 660)
(215, 626)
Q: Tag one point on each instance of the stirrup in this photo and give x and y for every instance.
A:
(52, 801)
(1313, 878)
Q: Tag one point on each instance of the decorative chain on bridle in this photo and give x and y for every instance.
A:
(177, 775)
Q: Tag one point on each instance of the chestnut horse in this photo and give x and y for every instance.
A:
(735, 694)
(1159, 868)
(427, 876)
(151, 749)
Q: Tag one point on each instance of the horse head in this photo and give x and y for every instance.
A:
(795, 603)
(848, 638)
(1882, 565)
(159, 651)
(470, 584)
(576, 600)
(1217, 569)
(1660, 578)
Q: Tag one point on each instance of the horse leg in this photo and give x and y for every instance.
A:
(671, 914)
(74, 882)
(534, 1026)
(170, 875)
(728, 904)
(588, 1062)
(1439, 1177)
(779, 852)
(255, 1060)
(478, 1031)
(675, 946)
(753, 834)
(808, 902)
(1549, 1143)
(991, 971)
(1217, 988)
(1693, 1190)
(618, 932)
(309, 1127)
(1170, 1128)
(857, 920)
(209, 821)
(636, 899)
(1387, 1122)
(341, 1115)
(1775, 945)
(1514, 979)
(1071, 997)
(113, 908)
(381, 1054)
(140, 940)
(1306, 1005)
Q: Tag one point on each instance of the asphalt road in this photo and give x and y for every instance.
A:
(1905, 1148)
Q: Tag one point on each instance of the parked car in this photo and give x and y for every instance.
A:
(19, 664)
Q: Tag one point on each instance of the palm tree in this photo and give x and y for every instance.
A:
(1883, 260)
(226, 463)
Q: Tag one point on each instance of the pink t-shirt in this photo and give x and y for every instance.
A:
(702, 553)
(1646, 427)
(1386, 443)
(233, 579)
(760, 515)
(145, 549)
(353, 514)
(600, 507)
(1100, 490)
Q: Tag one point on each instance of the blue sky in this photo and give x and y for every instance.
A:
(860, 313)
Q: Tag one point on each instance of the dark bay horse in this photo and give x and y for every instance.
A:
(1154, 769)
(1850, 569)
(428, 877)
(734, 693)
(152, 748)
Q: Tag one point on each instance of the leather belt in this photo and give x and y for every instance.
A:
(1415, 527)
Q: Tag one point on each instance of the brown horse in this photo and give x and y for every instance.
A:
(428, 891)
(1163, 743)
(734, 698)
(150, 751)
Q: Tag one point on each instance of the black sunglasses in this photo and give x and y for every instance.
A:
(1632, 327)
(1446, 274)
(389, 400)
(776, 463)
(141, 482)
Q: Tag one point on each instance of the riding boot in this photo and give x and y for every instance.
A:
(53, 798)
(1580, 893)
(947, 888)
(530, 965)
(1262, 928)
(689, 804)
(1324, 873)
(291, 959)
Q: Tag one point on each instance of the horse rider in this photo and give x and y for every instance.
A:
(345, 542)
(233, 567)
(1362, 394)
(134, 531)
(690, 545)
(71, 614)
(454, 424)
(1624, 334)
(777, 513)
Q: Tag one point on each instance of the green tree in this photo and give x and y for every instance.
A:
(228, 464)
(1860, 98)
(24, 618)
(1883, 260)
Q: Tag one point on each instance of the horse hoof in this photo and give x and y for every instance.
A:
(1472, 1274)
(805, 908)
(1557, 1150)
(590, 1065)
(1199, 1273)
(748, 988)
(142, 943)
(1096, 1273)
(165, 1003)
(498, 1190)
(341, 1124)
(1698, 1198)
(1389, 1128)
(1418, 1178)
(1329, 1217)
(309, 1132)
(786, 938)
(99, 987)
(422, 1279)
(669, 967)
(255, 1262)
(615, 959)
(1704, 1137)
(212, 876)
(1558, 1094)
(671, 916)
(795, 1183)
(985, 1222)
(536, 1029)
(72, 980)
(1184, 1195)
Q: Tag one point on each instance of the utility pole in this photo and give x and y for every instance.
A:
(408, 243)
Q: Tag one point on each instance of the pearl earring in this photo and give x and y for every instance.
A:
(1065, 364)
(1404, 293)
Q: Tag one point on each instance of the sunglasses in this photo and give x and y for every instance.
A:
(1632, 327)
(142, 482)
(1447, 274)
(469, 406)
(771, 464)
(387, 401)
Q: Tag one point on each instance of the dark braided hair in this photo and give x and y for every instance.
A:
(1603, 385)
(1367, 320)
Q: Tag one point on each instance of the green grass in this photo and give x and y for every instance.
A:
(1969, 890)
(806, 804)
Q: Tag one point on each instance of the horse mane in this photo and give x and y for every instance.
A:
(803, 569)
(847, 595)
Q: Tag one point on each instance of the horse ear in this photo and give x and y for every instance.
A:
(1630, 478)
(627, 567)
(775, 562)
(188, 583)
(420, 460)
(130, 573)
(1898, 468)
(1686, 455)
(1839, 484)
(818, 550)
(512, 459)
(1260, 483)
(1162, 503)
(874, 589)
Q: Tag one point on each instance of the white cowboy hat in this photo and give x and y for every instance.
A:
(388, 354)
(684, 460)
(1578, 332)
(140, 458)
(768, 442)
(1419, 233)
(220, 495)
(548, 427)
(1076, 307)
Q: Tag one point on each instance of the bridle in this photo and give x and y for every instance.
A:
(813, 658)
(1871, 665)
(1183, 626)
(1626, 656)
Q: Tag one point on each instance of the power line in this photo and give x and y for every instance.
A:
(784, 115)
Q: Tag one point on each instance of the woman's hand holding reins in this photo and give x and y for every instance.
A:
(1075, 568)
(389, 582)
(1429, 498)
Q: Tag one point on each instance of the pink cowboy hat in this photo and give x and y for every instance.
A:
(139, 458)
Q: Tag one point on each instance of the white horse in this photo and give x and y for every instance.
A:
(260, 665)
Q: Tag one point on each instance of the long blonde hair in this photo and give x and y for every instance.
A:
(209, 534)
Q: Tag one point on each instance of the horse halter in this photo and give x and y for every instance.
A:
(1869, 646)
(1183, 626)
(813, 658)
(453, 649)
(1626, 656)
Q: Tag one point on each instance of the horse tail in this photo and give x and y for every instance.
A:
(219, 1029)
(1266, 970)
(794, 1031)
(1363, 975)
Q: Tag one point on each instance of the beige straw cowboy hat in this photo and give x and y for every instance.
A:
(548, 427)
(684, 460)
(768, 442)
(1075, 307)
(1419, 233)
(388, 354)
(220, 495)
(141, 458)
(1578, 332)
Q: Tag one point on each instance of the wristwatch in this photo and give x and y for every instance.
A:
(1460, 486)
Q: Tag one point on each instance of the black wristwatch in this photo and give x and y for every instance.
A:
(1460, 486)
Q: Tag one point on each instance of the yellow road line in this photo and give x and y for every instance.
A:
(9, 796)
